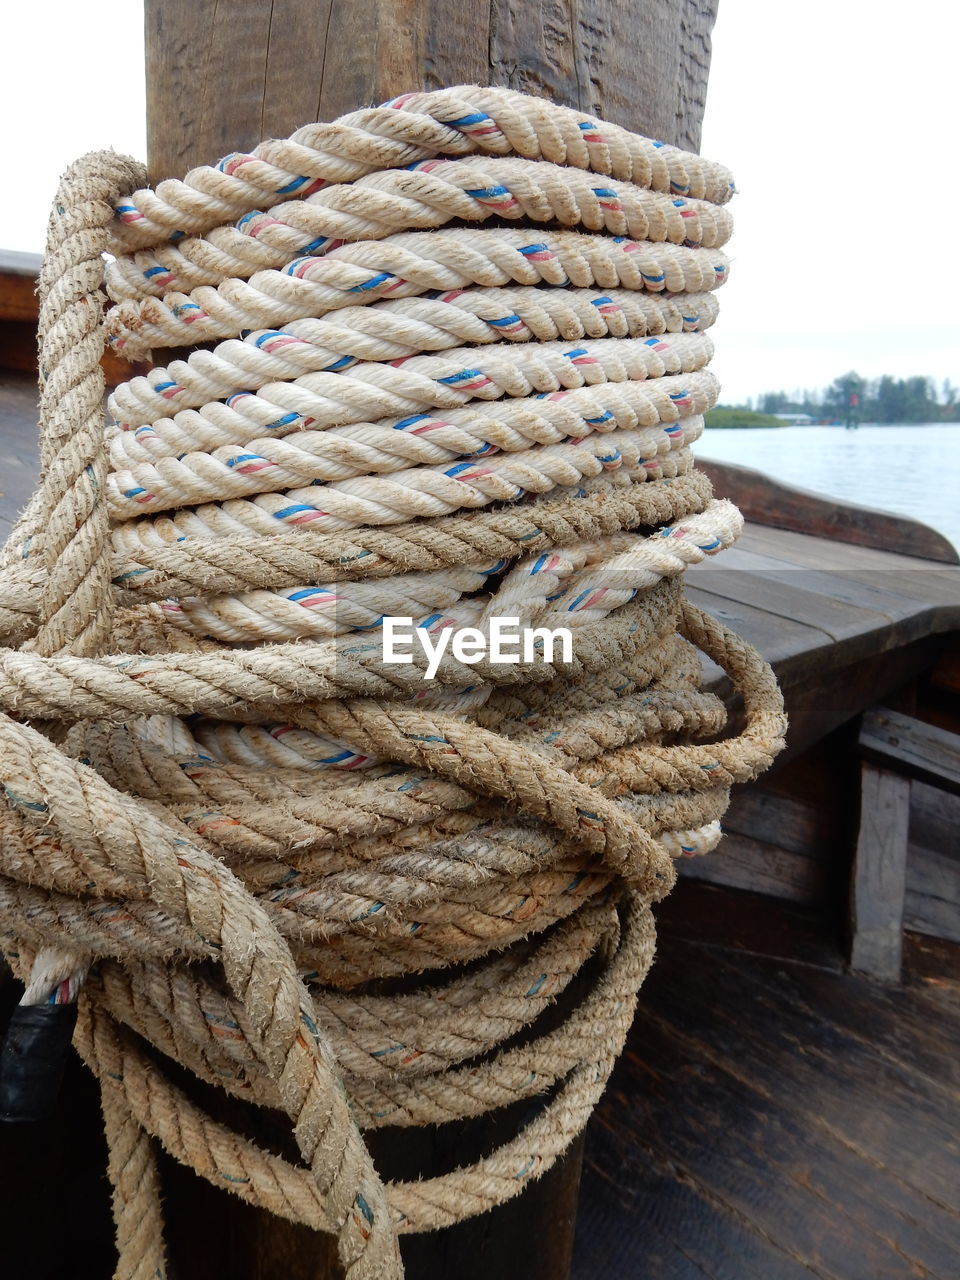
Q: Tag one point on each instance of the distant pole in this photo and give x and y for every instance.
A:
(852, 410)
(221, 75)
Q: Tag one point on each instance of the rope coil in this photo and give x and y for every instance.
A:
(229, 816)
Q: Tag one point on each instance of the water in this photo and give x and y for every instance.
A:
(911, 470)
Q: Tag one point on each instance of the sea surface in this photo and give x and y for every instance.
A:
(910, 470)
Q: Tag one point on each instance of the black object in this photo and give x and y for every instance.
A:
(32, 1060)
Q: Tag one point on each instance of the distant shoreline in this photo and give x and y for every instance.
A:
(865, 466)
(724, 419)
(723, 416)
(814, 426)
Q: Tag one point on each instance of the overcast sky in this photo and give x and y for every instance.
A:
(838, 118)
(72, 82)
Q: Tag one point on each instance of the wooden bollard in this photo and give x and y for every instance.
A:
(221, 75)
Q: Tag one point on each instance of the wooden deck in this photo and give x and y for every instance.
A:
(775, 1118)
(842, 625)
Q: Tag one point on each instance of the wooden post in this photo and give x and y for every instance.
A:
(221, 75)
(896, 748)
(879, 874)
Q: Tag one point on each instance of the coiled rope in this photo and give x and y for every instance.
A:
(456, 359)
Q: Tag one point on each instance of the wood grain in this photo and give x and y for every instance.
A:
(774, 1119)
(18, 294)
(742, 862)
(789, 834)
(222, 74)
(879, 873)
(912, 747)
(932, 903)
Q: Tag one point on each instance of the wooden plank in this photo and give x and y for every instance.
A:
(768, 501)
(615, 1239)
(222, 74)
(19, 309)
(879, 874)
(779, 639)
(820, 688)
(776, 818)
(934, 965)
(742, 1139)
(707, 915)
(919, 750)
(771, 618)
(860, 618)
(745, 863)
(891, 1021)
(934, 818)
(917, 598)
(789, 836)
(868, 589)
(896, 584)
(825, 683)
(646, 1215)
(786, 597)
(798, 959)
(931, 904)
(900, 1124)
(18, 296)
(820, 699)
(813, 552)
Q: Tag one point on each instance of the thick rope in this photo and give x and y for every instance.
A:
(403, 266)
(223, 801)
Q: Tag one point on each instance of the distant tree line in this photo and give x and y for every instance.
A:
(725, 415)
(883, 399)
